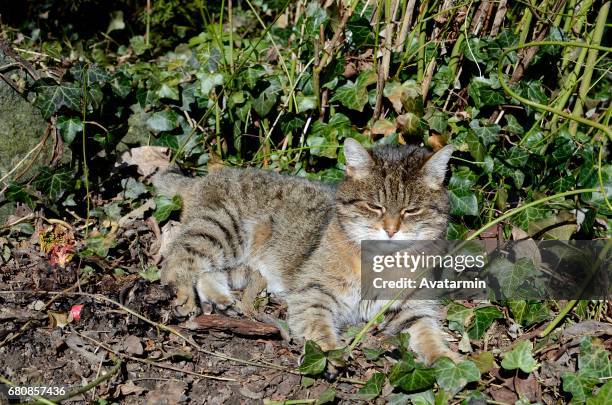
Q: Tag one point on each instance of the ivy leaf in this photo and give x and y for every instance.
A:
(438, 121)
(520, 357)
(160, 121)
(17, 193)
(372, 387)
(463, 202)
(54, 183)
(265, 101)
(488, 134)
(352, 96)
(480, 90)
(314, 359)
(165, 206)
(132, 188)
(513, 278)
(372, 354)
(529, 215)
(603, 396)
(151, 274)
(527, 313)
(513, 126)
(453, 377)
(139, 44)
(69, 128)
(460, 315)
(483, 318)
(50, 96)
(476, 148)
(327, 396)
(580, 385)
(594, 359)
(99, 245)
(484, 361)
(409, 378)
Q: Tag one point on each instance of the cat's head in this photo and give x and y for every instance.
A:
(393, 193)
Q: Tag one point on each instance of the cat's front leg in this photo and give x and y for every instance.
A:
(311, 317)
(421, 319)
(197, 262)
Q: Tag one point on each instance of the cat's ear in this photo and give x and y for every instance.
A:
(358, 159)
(434, 170)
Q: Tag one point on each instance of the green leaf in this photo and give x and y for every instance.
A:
(132, 188)
(527, 313)
(50, 96)
(139, 44)
(453, 377)
(99, 245)
(517, 280)
(152, 274)
(481, 91)
(327, 396)
(314, 359)
(528, 215)
(265, 101)
(520, 357)
(208, 81)
(476, 148)
(603, 396)
(54, 183)
(69, 128)
(463, 202)
(351, 96)
(160, 121)
(484, 361)
(594, 359)
(483, 318)
(372, 387)
(165, 206)
(18, 193)
(488, 134)
(438, 121)
(372, 354)
(460, 314)
(513, 126)
(580, 385)
(405, 376)
(403, 399)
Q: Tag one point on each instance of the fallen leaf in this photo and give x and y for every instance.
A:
(129, 388)
(133, 345)
(147, 159)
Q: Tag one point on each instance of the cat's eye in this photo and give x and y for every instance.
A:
(379, 209)
(410, 211)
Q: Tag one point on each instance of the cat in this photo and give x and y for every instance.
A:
(303, 237)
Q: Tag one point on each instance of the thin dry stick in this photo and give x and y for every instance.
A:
(499, 17)
(23, 328)
(262, 364)
(151, 363)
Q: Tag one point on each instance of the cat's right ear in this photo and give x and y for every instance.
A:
(358, 159)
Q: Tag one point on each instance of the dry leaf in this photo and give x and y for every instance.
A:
(148, 159)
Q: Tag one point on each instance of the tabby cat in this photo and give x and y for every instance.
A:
(304, 237)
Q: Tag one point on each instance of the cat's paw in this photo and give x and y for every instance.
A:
(184, 305)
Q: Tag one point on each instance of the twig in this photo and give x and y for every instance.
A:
(152, 363)
(23, 328)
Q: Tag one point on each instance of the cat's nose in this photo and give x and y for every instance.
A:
(391, 231)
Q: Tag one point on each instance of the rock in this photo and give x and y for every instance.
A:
(22, 127)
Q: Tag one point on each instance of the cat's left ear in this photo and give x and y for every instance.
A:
(358, 160)
(434, 170)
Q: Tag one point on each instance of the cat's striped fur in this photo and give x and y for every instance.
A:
(303, 238)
